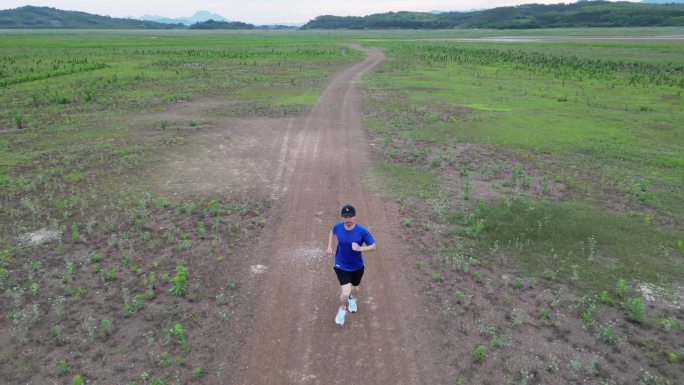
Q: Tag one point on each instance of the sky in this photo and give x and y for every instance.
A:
(263, 11)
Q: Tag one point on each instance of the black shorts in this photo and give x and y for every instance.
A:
(353, 277)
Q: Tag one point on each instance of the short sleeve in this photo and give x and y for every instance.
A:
(368, 238)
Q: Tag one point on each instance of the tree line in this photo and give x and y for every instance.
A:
(528, 16)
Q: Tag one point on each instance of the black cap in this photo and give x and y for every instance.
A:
(348, 211)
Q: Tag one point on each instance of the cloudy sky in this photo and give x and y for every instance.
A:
(262, 11)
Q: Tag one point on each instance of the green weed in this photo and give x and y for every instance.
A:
(164, 361)
(544, 314)
(480, 353)
(634, 309)
(604, 297)
(179, 332)
(467, 187)
(197, 374)
(105, 329)
(608, 335)
(63, 368)
(621, 288)
(180, 280)
(518, 282)
(96, 257)
(477, 275)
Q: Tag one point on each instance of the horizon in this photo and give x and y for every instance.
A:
(263, 12)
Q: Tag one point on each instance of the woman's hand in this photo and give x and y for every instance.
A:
(356, 247)
(328, 252)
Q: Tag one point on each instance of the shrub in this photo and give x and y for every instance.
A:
(197, 373)
(621, 288)
(634, 309)
(63, 368)
(544, 314)
(180, 281)
(604, 297)
(518, 282)
(96, 256)
(178, 331)
(608, 335)
(480, 353)
(105, 328)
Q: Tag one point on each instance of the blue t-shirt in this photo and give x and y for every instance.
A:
(346, 258)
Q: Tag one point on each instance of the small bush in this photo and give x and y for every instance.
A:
(164, 361)
(197, 373)
(478, 276)
(96, 257)
(544, 314)
(608, 335)
(518, 282)
(63, 368)
(604, 297)
(480, 353)
(621, 288)
(105, 328)
(180, 281)
(634, 309)
(19, 120)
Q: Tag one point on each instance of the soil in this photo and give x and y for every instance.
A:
(281, 294)
(310, 165)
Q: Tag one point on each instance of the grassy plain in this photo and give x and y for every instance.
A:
(532, 177)
(552, 162)
(92, 262)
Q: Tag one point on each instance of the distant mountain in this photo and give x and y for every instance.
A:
(579, 14)
(45, 17)
(663, 1)
(213, 24)
(198, 17)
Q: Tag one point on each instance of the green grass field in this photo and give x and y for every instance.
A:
(590, 116)
(553, 162)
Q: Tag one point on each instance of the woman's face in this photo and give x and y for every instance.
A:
(348, 220)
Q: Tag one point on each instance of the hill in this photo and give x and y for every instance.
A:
(663, 1)
(198, 17)
(213, 24)
(580, 14)
(46, 17)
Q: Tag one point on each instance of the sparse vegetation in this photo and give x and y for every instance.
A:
(567, 154)
(480, 353)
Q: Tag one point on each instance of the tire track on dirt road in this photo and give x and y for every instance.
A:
(293, 338)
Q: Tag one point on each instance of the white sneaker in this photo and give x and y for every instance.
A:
(339, 319)
(352, 305)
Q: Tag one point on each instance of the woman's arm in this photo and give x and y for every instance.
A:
(328, 251)
(356, 247)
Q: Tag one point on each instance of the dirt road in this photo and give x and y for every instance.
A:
(294, 340)
(309, 166)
